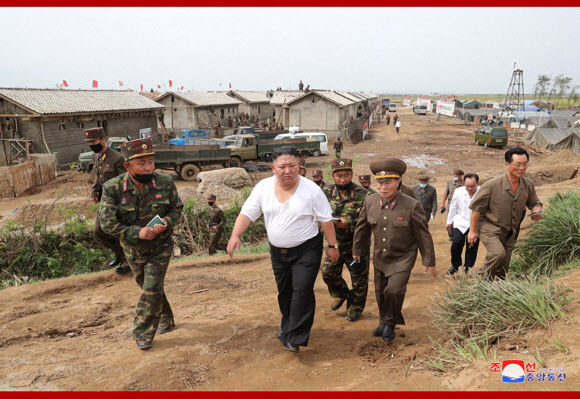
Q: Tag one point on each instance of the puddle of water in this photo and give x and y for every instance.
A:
(422, 161)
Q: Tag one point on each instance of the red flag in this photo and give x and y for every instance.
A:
(141, 87)
(170, 83)
(95, 84)
(514, 65)
(64, 83)
(120, 83)
(181, 87)
(158, 86)
(230, 85)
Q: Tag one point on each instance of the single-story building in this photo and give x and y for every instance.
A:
(254, 103)
(280, 100)
(54, 120)
(197, 110)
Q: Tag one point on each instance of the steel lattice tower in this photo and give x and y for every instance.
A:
(514, 98)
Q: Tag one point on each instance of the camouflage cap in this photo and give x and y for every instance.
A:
(458, 172)
(388, 168)
(303, 163)
(137, 148)
(364, 178)
(317, 172)
(93, 134)
(424, 177)
(340, 164)
(211, 197)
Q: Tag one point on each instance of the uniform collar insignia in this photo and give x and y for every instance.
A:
(153, 183)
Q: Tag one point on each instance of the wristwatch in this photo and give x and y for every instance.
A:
(333, 246)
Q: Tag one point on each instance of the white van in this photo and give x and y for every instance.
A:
(392, 107)
(311, 135)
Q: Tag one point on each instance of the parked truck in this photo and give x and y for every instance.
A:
(250, 147)
(188, 160)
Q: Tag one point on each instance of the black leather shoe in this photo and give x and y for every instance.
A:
(165, 328)
(389, 333)
(451, 271)
(337, 304)
(114, 262)
(292, 347)
(144, 344)
(378, 332)
(122, 269)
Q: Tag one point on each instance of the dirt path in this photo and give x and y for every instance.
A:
(75, 333)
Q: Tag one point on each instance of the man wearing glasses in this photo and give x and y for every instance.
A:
(498, 207)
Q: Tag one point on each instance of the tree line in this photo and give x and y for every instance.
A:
(556, 88)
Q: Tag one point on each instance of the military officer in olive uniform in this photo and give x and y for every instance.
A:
(107, 163)
(426, 194)
(216, 223)
(365, 181)
(302, 169)
(346, 199)
(129, 210)
(398, 225)
(406, 190)
(318, 178)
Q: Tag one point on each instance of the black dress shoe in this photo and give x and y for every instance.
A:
(291, 347)
(122, 269)
(281, 339)
(378, 332)
(114, 262)
(452, 270)
(389, 333)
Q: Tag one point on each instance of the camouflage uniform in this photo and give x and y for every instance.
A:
(337, 148)
(124, 211)
(107, 165)
(348, 208)
(217, 219)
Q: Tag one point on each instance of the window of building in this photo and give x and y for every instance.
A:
(99, 124)
(62, 126)
(222, 111)
(80, 125)
(258, 109)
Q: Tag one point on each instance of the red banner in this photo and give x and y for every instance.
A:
(95, 84)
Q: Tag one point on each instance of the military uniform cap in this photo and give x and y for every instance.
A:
(137, 148)
(317, 172)
(364, 178)
(424, 177)
(303, 163)
(341, 164)
(388, 168)
(458, 172)
(93, 134)
(211, 197)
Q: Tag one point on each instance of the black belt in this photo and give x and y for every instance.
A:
(297, 248)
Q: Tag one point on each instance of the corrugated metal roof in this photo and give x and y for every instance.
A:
(53, 101)
(253, 96)
(284, 97)
(203, 99)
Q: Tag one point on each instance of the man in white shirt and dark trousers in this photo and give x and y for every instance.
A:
(292, 207)
(458, 221)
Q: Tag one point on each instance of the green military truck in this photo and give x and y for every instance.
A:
(250, 147)
(188, 160)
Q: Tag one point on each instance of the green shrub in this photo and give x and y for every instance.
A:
(192, 234)
(554, 240)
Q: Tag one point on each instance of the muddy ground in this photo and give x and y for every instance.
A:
(75, 333)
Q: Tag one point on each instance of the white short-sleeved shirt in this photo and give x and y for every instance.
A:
(459, 212)
(288, 225)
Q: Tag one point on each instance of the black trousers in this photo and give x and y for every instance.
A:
(459, 240)
(295, 270)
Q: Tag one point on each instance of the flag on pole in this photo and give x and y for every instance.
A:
(141, 87)
(64, 83)
(230, 85)
(170, 83)
(120, 83)
(158, 86)
(181, 87)
(514, 65)
(95, 84)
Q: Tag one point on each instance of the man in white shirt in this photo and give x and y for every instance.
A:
(458, 221)
(292, 207)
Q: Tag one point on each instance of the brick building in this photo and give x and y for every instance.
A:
(54, 120)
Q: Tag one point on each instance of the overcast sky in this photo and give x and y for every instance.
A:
(392, 50)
